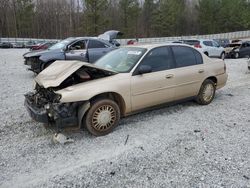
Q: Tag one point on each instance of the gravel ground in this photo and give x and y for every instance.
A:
(185, 145)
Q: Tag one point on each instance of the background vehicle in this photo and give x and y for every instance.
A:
(125, 81)
(229, 49)
(208, 47)
(242, 51)
(6, 45)
(87, 49)
(42, 46)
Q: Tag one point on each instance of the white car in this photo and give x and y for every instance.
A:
(209, 47)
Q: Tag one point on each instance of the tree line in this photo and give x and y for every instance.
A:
(59, 19)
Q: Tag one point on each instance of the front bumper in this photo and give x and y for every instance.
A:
(38, 114)
(34, 64)
(58, 114)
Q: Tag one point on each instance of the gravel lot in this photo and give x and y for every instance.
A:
(185, 145)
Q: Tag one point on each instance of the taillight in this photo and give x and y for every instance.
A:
(197, 46)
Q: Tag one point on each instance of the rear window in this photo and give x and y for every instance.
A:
(208, 43)
(191, 42)
(185, 56)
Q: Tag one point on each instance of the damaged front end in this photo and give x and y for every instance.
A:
(44, 106)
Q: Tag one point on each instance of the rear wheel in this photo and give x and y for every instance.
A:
(206, 93)
(102, 117)
(222, 56)
(206, 53)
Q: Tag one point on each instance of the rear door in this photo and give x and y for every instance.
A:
(97, 49)
(77, 51)
(209, 48)
(245, 49)
(216, 49)
(157, 86)
(189, 72)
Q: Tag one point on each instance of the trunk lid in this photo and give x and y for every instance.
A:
(58, 71)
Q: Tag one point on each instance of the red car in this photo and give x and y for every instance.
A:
(42, 46)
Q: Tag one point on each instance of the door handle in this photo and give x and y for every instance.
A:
(201, 71)
(82, 54)
(169, 76)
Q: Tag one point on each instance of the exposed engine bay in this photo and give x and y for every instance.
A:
(44, 103)
(82, 75)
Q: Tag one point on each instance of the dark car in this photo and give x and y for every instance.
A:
(242, 51)
(42, 46)
(83, 49)
(6, 45)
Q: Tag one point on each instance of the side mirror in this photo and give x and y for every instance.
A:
(143, 69)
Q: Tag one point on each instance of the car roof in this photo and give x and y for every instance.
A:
(151, 46)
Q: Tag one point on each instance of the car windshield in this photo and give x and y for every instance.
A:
(61, 44)
(121, 60)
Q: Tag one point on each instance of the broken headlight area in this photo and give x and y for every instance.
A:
(44, 106)
(33, 62)
(61, 115)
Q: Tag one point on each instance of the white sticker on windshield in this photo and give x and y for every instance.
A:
(134, 53)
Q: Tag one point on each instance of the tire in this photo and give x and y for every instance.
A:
(236, 55)
(222, 56)
(206, 53)
(206, 93)
(102, 117)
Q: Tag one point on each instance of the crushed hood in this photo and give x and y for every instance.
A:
(58, 71)
(38, 53)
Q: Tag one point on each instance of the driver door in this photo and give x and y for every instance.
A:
(156, 87)
(77, 51)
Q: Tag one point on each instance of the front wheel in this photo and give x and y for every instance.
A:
(206, 93)
(236, 55)
(102, 117)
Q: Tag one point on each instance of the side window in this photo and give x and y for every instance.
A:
(215, 44)
(208, 43)
(184, 56)
(244, 45)
(79, 45)
(198, 57)
(96, 44)
(159, 59)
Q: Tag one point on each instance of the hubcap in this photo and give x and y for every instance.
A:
(103, 118)
(208, 92)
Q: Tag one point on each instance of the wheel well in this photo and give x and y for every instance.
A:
(113, 96)
(206, 53)
(44, 64)
(213, 78)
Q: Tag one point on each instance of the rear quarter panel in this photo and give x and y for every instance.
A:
(215, 68)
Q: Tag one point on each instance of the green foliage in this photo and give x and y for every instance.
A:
(95, 17)
(223, 15)
(24, 15)
(130, 11)
(168, 17)
(135, 18)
